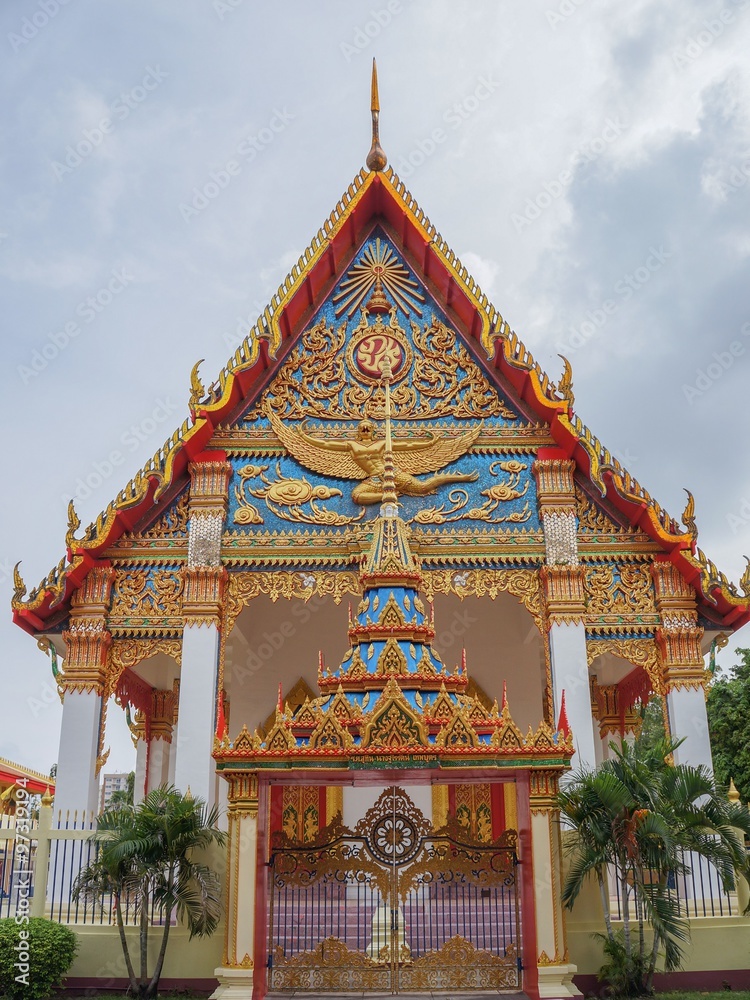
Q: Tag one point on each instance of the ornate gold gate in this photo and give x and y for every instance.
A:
(394, 906)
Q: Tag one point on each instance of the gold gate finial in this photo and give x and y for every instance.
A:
(376, 158)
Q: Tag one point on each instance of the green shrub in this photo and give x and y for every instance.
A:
(622, 973)
(51, 950)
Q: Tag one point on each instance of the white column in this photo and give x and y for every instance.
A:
(172, 761)
(76, 789)
(158, 763)
(222, 802)
(687, 718)
(570, 673)
(680, 638)
(139, 786)
(202, 608)
(76, 785)
(194, 767)
(566, 603)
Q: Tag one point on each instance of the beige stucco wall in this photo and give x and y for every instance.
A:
(100, 954)
(717, 943)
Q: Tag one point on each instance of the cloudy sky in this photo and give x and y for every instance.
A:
(589, 161)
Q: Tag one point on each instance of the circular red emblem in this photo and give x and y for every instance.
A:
(371, 351)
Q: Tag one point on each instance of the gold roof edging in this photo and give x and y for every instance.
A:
(494, 328)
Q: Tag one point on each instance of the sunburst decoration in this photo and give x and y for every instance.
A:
(378, 266)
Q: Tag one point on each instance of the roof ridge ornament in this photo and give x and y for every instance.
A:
(376, 158)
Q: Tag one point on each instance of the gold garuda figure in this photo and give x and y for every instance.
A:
(363, 458)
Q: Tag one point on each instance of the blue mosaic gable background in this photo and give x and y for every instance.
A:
(330, 381)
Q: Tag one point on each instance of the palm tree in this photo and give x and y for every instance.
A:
(145, 852)
(639, 817)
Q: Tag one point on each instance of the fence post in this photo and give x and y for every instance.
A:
(743, 890)
(41, 866)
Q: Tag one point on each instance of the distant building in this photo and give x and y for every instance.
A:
(111, 783)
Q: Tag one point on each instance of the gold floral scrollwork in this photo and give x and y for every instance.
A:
(393, 722)
(313, 382)
(499, 493)
(640, 652)
(124, 653)
(630, 594)
(174, 522)
(136, 595)
(590, 518)
(525, 584)
(288, 584)
(460, 965)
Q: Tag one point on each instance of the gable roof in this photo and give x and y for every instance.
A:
(377, 196)
(11, 774)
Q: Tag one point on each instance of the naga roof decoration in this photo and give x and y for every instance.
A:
(377, 199)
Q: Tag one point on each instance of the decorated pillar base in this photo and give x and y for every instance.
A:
(234, 983)
(556, 981)
(236, 974)
(554, 970)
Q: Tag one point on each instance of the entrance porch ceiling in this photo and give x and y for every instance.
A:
(278, 642)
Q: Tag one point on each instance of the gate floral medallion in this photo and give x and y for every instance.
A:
(394, 906)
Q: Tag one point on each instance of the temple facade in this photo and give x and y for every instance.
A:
(374, 597)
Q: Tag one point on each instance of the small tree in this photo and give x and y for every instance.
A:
(145, 853)
(727, 708)
(637, 816)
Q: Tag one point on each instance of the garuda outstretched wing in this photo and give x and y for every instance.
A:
(442, 452)
(314, 457)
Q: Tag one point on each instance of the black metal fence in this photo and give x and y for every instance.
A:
(698, 891)
(39, 866)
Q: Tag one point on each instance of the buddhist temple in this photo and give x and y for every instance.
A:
(375, 597)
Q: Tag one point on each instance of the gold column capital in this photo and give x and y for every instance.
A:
(163, 706)
(543, 788)
(679, 639)
(605, 704)
(243, 792)
(565, 589)
(554, 478)
(209, 482)
(87, 642)
(203, 600)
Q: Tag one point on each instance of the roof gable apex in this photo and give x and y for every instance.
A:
(374, 196)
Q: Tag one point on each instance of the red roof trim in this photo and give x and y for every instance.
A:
(378, 198)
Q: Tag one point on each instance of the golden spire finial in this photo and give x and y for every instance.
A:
(376, 158)
(733, 795)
